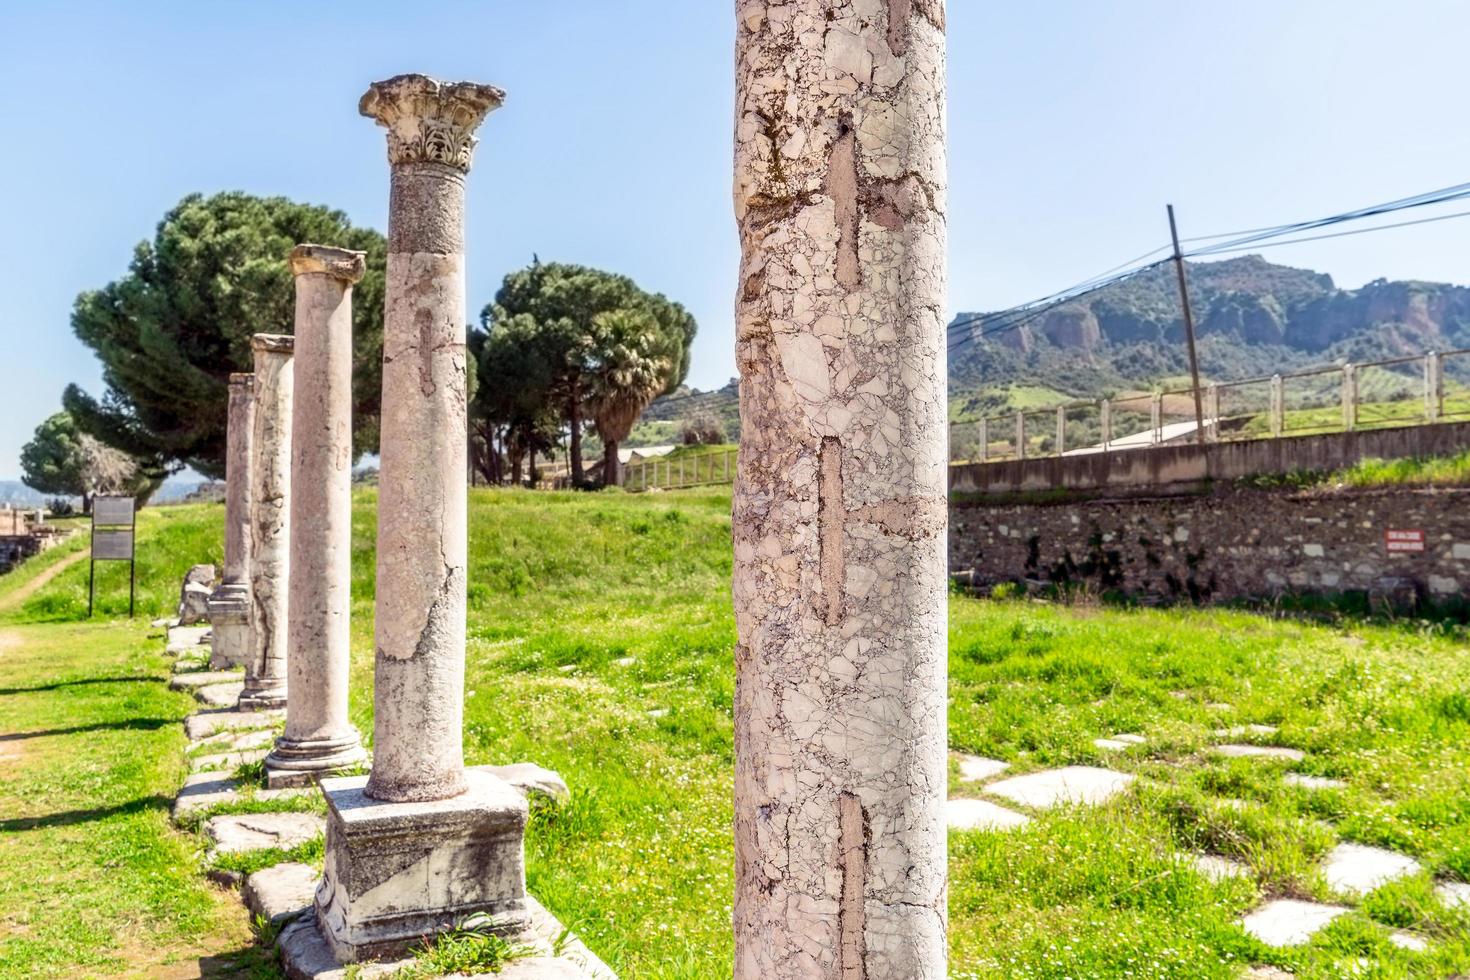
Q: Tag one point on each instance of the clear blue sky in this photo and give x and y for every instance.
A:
(1072, 123)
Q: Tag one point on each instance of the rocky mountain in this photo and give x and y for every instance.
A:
(1253, 318)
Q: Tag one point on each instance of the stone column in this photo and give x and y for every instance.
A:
(229, 605)
(839, 510)
(270, 525)
(450, 840)
(319, 738)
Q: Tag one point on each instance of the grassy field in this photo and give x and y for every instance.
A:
(93, 880)
(600, 645)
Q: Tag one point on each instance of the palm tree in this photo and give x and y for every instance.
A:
(630, 365)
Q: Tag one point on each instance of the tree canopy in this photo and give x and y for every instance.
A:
(578, 341)
(170, 332)
(62, 459)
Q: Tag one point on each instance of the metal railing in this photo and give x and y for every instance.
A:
(1396, 391)
(680, 471)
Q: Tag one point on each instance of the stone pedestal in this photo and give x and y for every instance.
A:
(270, 525)
(397, 872)
(421, 842)
(319, 738)
(229, 605)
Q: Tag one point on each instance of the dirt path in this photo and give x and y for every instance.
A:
(23, 593)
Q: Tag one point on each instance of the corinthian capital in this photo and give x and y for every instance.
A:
(429, 120)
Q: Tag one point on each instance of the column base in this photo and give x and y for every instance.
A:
(264, 699)
(300, 763)
(229, 621)
(398, 872)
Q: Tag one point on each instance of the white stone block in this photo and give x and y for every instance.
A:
(981, 815)
(1070, 784)
(1287, 922)
(1355, 869)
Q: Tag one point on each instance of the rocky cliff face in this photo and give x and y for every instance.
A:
(1254, 317)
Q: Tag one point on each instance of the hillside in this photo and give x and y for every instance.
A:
(1254, 318)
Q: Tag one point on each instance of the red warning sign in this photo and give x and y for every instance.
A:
(1404, 540)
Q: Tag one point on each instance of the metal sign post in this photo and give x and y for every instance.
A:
(114, 521)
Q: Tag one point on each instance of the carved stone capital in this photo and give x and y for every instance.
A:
(428, 120)
(273, 343)
(339, 263)
(243, 379)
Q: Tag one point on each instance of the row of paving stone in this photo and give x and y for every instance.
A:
(1351, 870)
(221, 739)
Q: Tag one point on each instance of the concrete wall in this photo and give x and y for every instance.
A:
(1161, 466)
(1231, 544)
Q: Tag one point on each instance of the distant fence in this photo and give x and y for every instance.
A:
(680, 471)
(1432, 387)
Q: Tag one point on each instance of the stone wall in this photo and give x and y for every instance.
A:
(1224, 545)
(1161, 466)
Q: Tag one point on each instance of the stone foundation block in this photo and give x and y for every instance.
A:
(397, 872)
(281, 892)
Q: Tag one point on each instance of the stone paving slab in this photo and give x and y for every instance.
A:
(1118, 743)
(1217, 868)
(220, 695)
(1259, 752)
(1312, 782)
(237, 833)
(1454, 894)
(976, 769)
(202, 724)
(532, 780)
(230, 741)
(226, 762)
(204, 678)
(1070, 784)
(306, 956)
(1356, 869)
(1288, 922)
(281, 892)
(964, 814)
(203, 790)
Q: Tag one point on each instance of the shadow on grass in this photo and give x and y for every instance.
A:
(88, 680)
(67, 818)
(136, 724)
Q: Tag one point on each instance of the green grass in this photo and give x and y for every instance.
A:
(1431, 471)
(93, 879)
(563, 586)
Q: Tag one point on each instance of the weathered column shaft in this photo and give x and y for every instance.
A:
(270, 523)
(319, 738)
(840, 510)
(239, 436)
(229, 605)
(422, 547)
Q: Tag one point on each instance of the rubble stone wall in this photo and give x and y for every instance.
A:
(1225, 545)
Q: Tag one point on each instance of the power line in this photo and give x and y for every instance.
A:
(1355, 231)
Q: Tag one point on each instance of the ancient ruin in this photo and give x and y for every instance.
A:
(319, 737)
(421, 843)
(229, 605)
(270, 490)
(839, 509)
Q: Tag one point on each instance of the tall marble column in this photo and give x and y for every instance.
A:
(270, 523)
(229, 605)
(449, 840)
(319, 738)
(839, 512)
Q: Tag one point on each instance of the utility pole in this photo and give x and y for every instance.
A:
(1199, 408)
